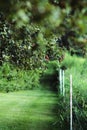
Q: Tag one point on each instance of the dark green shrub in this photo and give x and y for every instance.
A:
(50, 75)
(14, 79)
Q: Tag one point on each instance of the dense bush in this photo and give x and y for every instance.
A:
(13, 79)
(26, 47)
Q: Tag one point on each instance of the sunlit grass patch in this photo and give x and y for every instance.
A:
(27, 110)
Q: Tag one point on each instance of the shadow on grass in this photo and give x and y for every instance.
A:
(28, 125)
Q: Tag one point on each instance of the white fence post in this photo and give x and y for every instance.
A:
(70, 102)
(60, 78)
(63, 85)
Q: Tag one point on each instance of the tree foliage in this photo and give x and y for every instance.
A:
(33, 31)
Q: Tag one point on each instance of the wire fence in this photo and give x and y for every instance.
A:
(75, 122)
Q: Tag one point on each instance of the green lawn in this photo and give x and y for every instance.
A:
(28, 110)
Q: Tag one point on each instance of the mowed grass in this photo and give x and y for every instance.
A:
(28, 110)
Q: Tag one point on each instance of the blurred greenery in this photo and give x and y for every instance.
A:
(37, 37)
(31, 25)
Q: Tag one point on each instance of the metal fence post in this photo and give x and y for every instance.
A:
(70, 102)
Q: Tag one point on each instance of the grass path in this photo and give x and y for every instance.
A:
(28, 110)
